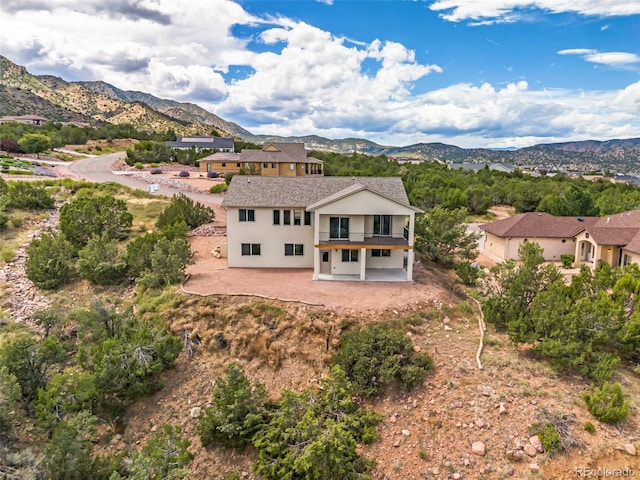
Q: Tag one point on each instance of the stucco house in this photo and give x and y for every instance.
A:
(274, 159)
(614, 239)
(345, 228)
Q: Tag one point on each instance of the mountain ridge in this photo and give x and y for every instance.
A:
(98, 101)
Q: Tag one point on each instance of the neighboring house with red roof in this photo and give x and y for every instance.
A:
(556, 235)
(614, 239)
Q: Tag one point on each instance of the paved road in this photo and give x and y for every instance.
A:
(98, 169)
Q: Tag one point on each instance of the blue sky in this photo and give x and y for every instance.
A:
(473, 73)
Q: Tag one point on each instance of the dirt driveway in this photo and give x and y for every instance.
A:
(210, 276)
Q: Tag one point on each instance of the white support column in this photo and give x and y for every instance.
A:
(316, 251)
(410, 252)
(363, 263)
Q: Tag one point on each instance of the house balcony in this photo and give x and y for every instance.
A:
(364, 239)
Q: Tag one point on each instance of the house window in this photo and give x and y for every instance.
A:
(349, 255)
(382, 225)
(339, 227)
(626, 260)
(250, 249)
(292, 166)
(224, 164)
(287, 217)
(385, 252)
(293, 249)
(273, 165)
(297, 217)
(307, 218)
(247, 215)
(276, 217)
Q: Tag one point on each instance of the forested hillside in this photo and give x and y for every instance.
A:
(429, 184)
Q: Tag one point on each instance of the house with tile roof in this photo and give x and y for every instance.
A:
(345, 228)
(274, 159)
(614, 239)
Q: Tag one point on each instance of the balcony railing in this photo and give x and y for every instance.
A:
(365, 238)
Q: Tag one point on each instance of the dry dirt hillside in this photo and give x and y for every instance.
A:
(426, 433)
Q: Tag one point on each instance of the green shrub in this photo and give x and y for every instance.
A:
(238, 411)
(139, 251)
(29, 196)
(315, 434)
(50, 261)
(549, 437)
(589, 427)
(168, 262)
(183, 208)
(468, 273)
(16, 222)
(219, 188)
(163, 457)
(138, 165)
(607, 403)
(567, 260)
(100, 261)
(82, 218)
(378, 355)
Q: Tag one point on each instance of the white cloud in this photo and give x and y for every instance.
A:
(460, 10)
(613, 58)
(300, 80)
(603, 58)
(577, 51)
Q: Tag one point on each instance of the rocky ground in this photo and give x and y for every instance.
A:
(20, 297)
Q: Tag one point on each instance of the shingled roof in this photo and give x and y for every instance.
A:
(278, 153)
(621, 229)
(539, 225)
(258, 191)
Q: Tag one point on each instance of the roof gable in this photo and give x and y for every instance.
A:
(349, 192)
(258, 191)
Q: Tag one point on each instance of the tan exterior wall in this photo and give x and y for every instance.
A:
(284, 169)
(634, 257)
(585, 250)
(495, 245)
(553, 248)
(217, 166)
(271, 238)
(256, 168)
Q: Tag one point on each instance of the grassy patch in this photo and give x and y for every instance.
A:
(15, 234)
(145, 211)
